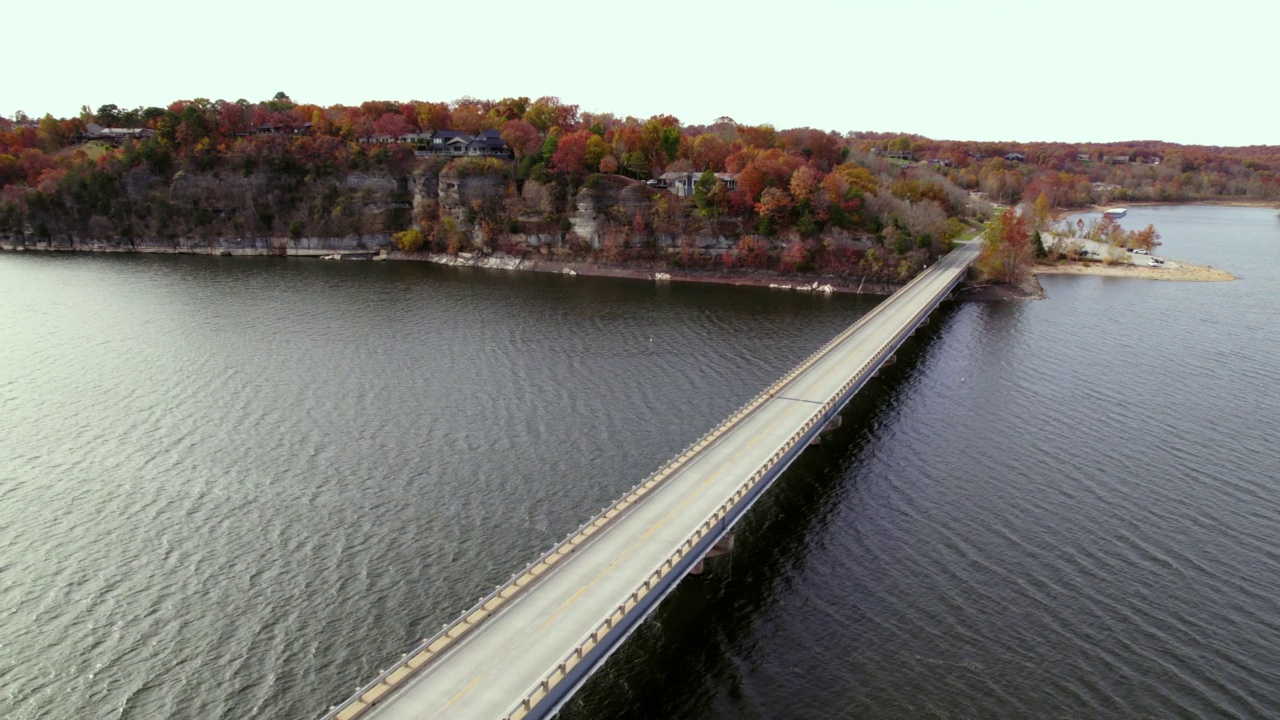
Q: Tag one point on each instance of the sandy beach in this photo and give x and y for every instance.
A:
(1179, 272)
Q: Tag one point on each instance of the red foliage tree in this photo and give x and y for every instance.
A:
(521, 137)
(392, 124)
(570, 158)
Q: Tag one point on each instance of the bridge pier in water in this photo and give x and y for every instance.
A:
(722, 547)
(887, 362)
(826, 430)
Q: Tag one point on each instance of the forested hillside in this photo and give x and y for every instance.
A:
(557, 181)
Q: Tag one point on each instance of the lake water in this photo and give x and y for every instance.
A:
(238, 487)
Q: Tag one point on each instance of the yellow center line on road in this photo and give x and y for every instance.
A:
(464, 691)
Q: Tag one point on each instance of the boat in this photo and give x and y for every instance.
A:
(1116, 213)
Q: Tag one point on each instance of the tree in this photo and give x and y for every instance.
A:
(392, 124)
(410, 240)
(434, 116)
(858, 177)
(804, 181)
(902, 143)
(596, 150)
(708, 152)
(660, 140)
(702, 191)
(1145, 239)
(468, 117)
(548, 112)
(570, 156)
(50, 134)
(521, 137)
(1041, 213)
(608, 164)
(636, 164)
(108, 115)
(1006, 248)
(775, 203)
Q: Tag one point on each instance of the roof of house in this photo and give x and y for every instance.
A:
(680, 175)
(446, 135)
(490, 139)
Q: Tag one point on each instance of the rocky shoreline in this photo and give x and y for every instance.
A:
(380, 248)
(794, 282)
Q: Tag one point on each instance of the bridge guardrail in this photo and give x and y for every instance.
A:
(410, 662)
(596, 635)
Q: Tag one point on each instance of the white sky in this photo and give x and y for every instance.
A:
(1077, 71)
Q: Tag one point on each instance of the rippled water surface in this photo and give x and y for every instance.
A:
(238, 487)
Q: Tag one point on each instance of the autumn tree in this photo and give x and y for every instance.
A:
(393, 124)
(1041, 213)
(1144, 239)
(468, 116)
(434, 116)
(858, 177)
(521, 137)
(804, 182)
(570, 156)
(548, 112)
(660, 140)
(759, 136)
(708, 152)
(774, 206)
(597, 148)
(1006, 248)
(50, 133)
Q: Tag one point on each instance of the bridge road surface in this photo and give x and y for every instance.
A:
(491, 668)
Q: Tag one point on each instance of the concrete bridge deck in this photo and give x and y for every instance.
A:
(523, 650)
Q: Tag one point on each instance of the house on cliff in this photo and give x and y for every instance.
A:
(488, 143)
(682, 183)
(94, 131)
(448, 142)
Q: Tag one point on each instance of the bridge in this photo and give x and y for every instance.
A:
(523, 650)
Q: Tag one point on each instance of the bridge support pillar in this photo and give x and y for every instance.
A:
(722, 547)
(817, 439)
(923, 323)
(887, 362)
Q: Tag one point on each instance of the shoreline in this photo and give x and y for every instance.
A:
(1184, 272)
(792, 282)
(1272, 204)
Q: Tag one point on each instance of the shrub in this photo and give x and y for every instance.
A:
(410, 240)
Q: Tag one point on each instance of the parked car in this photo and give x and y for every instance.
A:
(1140, 251)
(1153, 263)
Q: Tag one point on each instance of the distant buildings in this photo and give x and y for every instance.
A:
(894, 154)
(488, 143)
(682, 183)
(94, 131)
